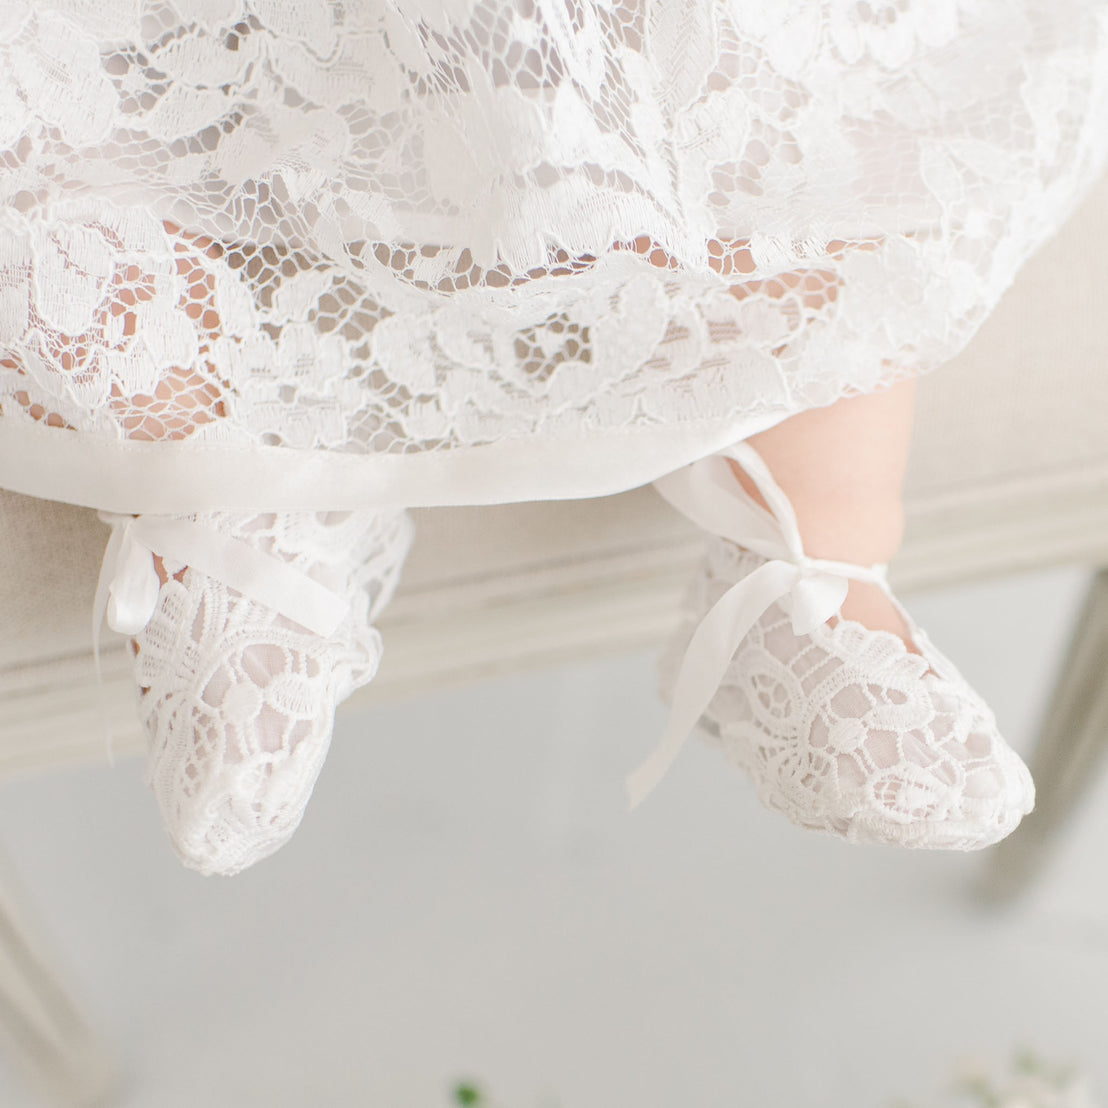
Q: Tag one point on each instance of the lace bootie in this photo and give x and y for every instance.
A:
(842, 729)
(264, 624)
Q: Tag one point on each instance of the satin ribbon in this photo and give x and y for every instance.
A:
(811, 590)
(127, 591)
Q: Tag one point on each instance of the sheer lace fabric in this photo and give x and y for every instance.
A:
(388, 230)
(846, 731)
(239, 701)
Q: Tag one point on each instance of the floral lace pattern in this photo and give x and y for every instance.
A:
(382, 227)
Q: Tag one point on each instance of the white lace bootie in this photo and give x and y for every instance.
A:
(842, 729)
(263, 626)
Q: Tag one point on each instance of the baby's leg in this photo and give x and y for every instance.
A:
(238, 699)
(841, 730)
(842, 467)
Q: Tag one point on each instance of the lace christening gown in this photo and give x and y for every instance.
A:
(262, 255)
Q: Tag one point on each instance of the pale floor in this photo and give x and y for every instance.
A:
(468, 898)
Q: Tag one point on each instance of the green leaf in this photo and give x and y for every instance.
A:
(467, 1094)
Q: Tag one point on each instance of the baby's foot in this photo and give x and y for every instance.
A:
(843, 730)
(867, 733)
(238, 700)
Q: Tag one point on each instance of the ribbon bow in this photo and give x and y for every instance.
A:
(127, 591)
(811, 590)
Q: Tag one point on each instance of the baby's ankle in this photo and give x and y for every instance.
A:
(863, 526)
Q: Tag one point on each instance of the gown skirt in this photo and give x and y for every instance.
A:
(336, 255)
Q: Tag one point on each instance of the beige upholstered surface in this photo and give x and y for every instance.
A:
(1015, 426)
(49, 558)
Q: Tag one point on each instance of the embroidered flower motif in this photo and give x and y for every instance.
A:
(889, 31)
(15, 114)
(787, 30)
(57, 70)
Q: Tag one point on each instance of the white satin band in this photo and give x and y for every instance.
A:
(812, 589)
(127, 592)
